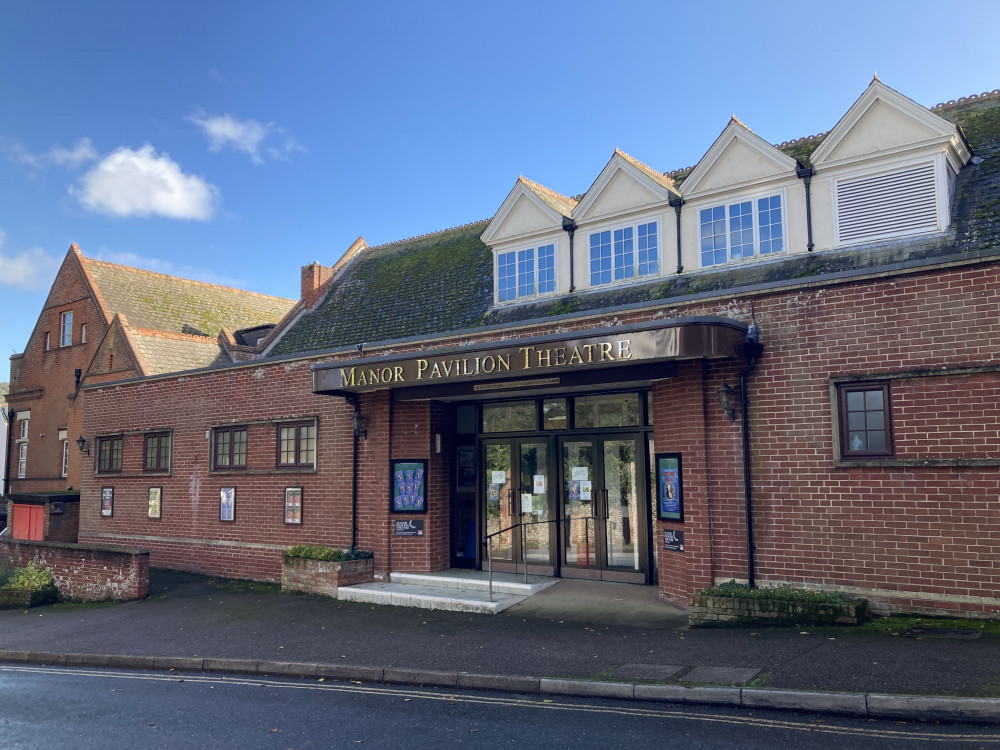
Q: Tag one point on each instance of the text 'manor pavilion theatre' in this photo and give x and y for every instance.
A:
(780, 365)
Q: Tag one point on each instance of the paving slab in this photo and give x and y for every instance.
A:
(647, 671)
(726, 675)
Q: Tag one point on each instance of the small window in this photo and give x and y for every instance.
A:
(865, 420)
(510, 416)
(230, 448)
(66, 329)
(157, 452)
(297, 444)
(22, 460)
(554, 414)
(24, 429)
(48, 341)
(109, 454)
(83, 333)
(65, 457)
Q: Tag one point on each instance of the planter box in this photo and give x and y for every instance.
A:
(707, 611)
(10, 599)
(324, 576)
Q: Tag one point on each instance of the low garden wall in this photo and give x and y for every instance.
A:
(85, 572)
(708, 610)
(324, 576)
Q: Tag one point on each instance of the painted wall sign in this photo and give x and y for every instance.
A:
(538, 358)
(673, 540)
(409, 528)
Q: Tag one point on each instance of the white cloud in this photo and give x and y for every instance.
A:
(32, 269)
(81, 153)
(246, 136)
(198, 273)
(142, 183)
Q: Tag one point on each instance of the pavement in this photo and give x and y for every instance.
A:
(574, 638)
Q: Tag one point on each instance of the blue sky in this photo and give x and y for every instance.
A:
(235, 142)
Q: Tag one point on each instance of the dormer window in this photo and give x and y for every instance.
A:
(741, 229)
(526, 273)
(624, 254)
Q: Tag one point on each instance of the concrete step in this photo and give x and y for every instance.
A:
(476, 580)
(428, 597)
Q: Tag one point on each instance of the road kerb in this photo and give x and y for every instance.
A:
(884, 706)
(848, 704)
(434, 677)
(185, 663)
(289, 668)
(711, 696)
(237, 666)
(506, 683)
(587, 688)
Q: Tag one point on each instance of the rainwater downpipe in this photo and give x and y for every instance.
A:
(752, 349)
(569, 226)
(806, 174)
(677, 201)
(353, 401)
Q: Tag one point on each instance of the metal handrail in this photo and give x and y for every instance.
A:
(488, 542)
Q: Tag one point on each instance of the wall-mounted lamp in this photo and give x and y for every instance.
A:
(726, 401)
(359, 424)
(81, 443)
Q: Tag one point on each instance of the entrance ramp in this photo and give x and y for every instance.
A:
(453, 590)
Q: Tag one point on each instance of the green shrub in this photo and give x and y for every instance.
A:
(31, 577)
(315, 552)
(735, 590)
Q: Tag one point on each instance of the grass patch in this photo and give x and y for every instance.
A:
(734, 590)
(899, 624)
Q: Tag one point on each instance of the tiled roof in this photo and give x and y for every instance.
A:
(658, 177)
(173, 352)
(559, 203)
(443, 283)
(167, 303)
(437, 282)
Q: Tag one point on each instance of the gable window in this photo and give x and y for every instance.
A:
(83, 333)
(157, 452)
(109, 454)
(66, 329)
(297, 444)
(230, 448)
(865, 420)
(525, 273)
(613, 254)
(741, 229)
(48, 341)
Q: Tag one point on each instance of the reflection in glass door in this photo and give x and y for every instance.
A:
(499, 508)
(605, 518)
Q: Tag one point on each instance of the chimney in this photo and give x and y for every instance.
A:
(313, 278)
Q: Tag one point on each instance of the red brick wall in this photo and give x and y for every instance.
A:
(86, 572)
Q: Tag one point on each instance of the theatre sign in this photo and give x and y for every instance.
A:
(542, 357)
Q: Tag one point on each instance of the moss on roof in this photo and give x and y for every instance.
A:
(163, 354)
(168, 303)
(438, 282)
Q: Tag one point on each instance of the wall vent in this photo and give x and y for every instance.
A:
(887, 205)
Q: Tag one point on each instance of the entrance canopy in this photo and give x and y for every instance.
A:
(643, 350)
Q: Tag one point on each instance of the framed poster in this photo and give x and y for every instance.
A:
(153, 500)
(466, 469)
(408, 479)
(669, 487)
(227, 504)
(293, 506)
(107, 501)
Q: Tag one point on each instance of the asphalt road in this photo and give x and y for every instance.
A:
(43, 707)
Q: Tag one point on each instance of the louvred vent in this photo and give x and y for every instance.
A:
(888, 205)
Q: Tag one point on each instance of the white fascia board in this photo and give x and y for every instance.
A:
(519, 190)
(882, 160)
(879, 91)
(734, 130)
(616, 164)
(531, 239)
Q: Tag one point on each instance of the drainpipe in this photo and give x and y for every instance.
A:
(806, 174)
(677, 201)
(353, 401)
(752, 350)
(569, 226)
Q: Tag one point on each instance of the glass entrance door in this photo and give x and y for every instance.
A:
(605, 514)
(518, 490)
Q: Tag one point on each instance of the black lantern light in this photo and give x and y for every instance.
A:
(81, 443)
(726, 401)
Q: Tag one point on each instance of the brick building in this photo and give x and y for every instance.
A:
(103, 321)
(780, 365)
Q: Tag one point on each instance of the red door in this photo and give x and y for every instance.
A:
(28, 522)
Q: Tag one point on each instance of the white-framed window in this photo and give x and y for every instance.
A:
(48, 341)
(741, 229)
(64, 438)
(22, 444)
(624, 253)
(22, 460)
(66, 329)
(23, 435)
(526, 273)
(83, 333)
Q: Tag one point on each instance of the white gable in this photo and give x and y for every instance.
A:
(738, 157)
(621, 193)
(521, 213)
(884, 120)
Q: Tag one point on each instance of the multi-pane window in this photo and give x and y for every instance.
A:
(865, 420)
(525, 273)
(157, 452)
(613, 254)
(65, 458)
(22, 460)
(741, 230)
(109, 454)
(297, 444)
(66, 329)
(230, 448)
(24, 429)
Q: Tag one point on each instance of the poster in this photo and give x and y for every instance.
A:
(580, 473)
(107, 501)
(409, 486)
(539, 484)
(499, 477)
(527, 502)
(586, 490)
(293, 505)
(573, 490)
(669, 501)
